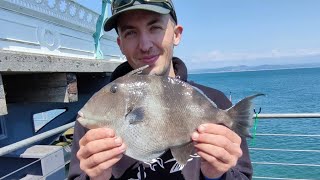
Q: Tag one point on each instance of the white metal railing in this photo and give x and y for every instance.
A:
(34, 139)
(289, 115)
(316, 116)
(290, 135)
(20, 169)
(285, 150)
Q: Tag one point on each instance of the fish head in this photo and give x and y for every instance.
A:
(106, 107)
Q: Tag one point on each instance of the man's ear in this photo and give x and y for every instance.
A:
(177, 34)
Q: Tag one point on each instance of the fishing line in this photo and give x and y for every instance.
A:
(253, 141)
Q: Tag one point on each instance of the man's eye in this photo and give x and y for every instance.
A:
(129, 33)
(154, 28)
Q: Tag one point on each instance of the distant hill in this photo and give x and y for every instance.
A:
(253, 68)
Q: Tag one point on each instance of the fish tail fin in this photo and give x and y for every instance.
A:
(242, 115)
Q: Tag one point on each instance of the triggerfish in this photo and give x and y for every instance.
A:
(155, 113)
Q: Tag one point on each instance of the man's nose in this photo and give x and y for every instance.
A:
(145, 42)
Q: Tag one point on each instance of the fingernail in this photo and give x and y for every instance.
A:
(201, 128)
(122, 148)
(118, 141)
(195, 136)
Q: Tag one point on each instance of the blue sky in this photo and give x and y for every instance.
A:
(221, 33)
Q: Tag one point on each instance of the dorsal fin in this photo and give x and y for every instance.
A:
(202, 93)
(137, 71)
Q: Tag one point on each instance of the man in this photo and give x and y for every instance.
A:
(148, 32)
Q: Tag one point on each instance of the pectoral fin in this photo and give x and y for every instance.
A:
(135, 116)
(182, 153)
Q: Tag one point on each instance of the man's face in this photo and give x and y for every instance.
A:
(148, 38)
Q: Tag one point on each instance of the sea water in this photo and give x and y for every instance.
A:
(287, 91)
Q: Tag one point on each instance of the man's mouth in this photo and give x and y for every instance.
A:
(150, 59)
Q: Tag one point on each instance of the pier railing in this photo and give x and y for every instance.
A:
(280, 163)
(289, 115)
(27, 142)
(32, 140)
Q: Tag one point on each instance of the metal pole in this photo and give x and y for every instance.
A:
(288, 115)
(100, 28)
(34, 139)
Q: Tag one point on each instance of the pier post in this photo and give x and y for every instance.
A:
(3, 104)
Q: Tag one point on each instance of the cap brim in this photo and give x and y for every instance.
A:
(111, 21)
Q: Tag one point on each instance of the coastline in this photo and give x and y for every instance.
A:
(237, 71)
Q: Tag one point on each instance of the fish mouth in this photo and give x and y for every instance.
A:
(85, 122)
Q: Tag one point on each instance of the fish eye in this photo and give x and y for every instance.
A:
(114, 88)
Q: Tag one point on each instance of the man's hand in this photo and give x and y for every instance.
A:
(99, 151)
(219, 148)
